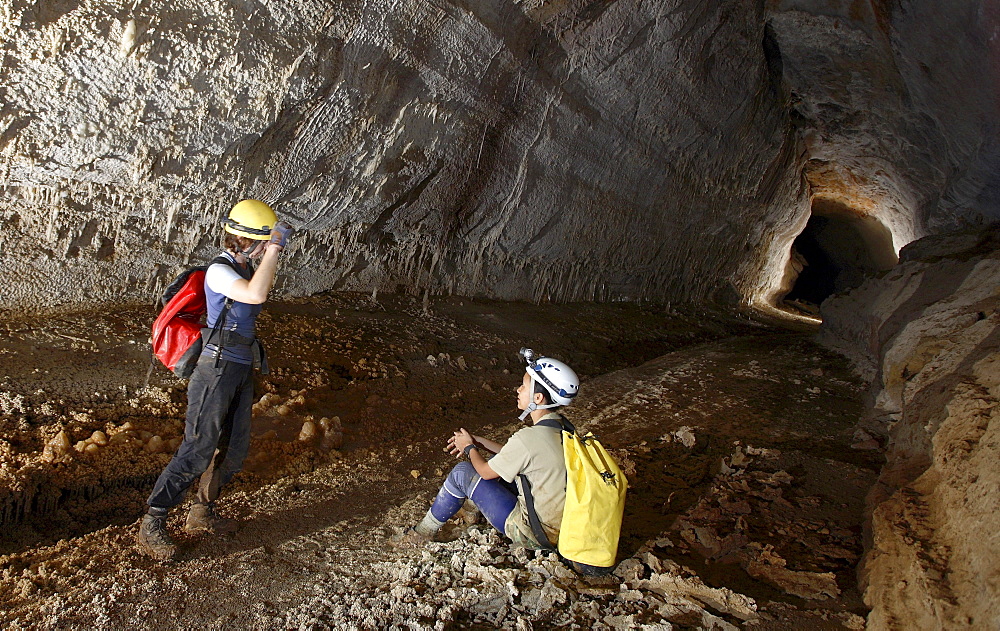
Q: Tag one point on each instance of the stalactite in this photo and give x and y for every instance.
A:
(172, 208)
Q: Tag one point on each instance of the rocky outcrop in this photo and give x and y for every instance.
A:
(928, 335)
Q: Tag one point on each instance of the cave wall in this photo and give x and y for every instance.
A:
(897, 102)
(539, 150)
(561, 149)
(927, 334)
(897, 107)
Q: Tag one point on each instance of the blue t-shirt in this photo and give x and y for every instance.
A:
(242, 317)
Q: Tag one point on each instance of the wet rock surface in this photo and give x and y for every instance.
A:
(744, 508)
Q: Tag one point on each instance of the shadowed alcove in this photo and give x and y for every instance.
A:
(838, 248)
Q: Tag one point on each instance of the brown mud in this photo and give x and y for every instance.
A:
(744, 509)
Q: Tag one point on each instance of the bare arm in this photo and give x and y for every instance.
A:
(482, 467)
(486, 443)
(493, 446)
(255, 290)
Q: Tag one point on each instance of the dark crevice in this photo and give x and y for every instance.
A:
(838, 249)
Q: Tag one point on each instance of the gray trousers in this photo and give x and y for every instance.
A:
(216, 433)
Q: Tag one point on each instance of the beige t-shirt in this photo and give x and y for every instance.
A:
(537, 452)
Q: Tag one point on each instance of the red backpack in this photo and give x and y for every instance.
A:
(177, 338)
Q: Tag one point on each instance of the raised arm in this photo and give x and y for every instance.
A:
(255, 290)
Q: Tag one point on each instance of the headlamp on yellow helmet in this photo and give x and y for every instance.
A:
(252, 219)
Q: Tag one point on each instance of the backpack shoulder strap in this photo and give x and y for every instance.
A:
(225, 260)
(220, 322)
(536, 524)
(549, 422)
(566, 425)
(529, 501)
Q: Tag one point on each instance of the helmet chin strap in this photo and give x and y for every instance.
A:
(534, 406)
(249, 251)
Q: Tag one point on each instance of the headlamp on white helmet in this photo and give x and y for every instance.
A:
(557, 378)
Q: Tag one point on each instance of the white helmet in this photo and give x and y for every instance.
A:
(556, 377)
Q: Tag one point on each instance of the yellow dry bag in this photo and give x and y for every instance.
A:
(595, 501)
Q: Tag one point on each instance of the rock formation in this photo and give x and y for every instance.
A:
(570, 149)
(928, 335)
(471, 147)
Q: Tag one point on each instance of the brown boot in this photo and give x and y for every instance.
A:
(203, 518)
(153, 538)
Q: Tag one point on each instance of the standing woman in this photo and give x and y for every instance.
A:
(220, 393)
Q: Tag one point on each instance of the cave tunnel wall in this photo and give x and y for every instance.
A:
(897, 110)
(563, 150)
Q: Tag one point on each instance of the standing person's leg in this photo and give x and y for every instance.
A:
(208, 401)
(238, 443)
(234, 443)
(209, 397)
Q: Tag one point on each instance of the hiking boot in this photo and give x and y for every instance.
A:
(203, 518)
(153, 538)
(410, 538)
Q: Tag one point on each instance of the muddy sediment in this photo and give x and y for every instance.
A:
(736, 439)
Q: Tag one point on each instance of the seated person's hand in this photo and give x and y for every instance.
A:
(458, 442)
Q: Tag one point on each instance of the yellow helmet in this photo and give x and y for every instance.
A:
(250, 218)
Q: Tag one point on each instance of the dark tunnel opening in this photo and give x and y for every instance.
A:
(835, 252)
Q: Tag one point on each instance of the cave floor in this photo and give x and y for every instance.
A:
(744, 510)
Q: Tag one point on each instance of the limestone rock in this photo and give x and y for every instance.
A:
(410, 140)
(58, 447)
(308, 431)
(931, 327)
(808, 585)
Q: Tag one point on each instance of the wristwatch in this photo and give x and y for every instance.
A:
(470, 447)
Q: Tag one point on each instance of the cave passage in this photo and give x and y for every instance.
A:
(836, 251)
